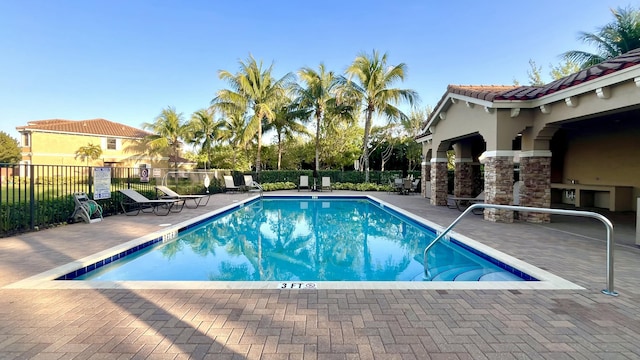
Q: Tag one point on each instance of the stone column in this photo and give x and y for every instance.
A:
(463, 178)
(463, 175)
(439, 182)
(535, 191)
(426, 175)
(498, 184)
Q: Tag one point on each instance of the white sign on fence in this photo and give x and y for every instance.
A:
(101, 183)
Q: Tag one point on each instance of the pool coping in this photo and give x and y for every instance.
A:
(47, 279)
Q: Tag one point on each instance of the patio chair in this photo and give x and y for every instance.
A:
(326, 183)
(304, 182)
(397, 185)
(250, 184)
(461, 203)
(229, 185)
(414, 185)
(137, 202)
(86, 209)
(170, 194)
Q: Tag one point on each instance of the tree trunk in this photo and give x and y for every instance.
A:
(386, 155)
(365, 145)
(258, 164)
(279, 151)
(318, 121)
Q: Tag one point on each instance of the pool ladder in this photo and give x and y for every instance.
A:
(610, 240)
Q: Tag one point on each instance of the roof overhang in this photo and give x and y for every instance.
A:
(598, 85)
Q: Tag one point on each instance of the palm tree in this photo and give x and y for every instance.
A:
(320, 96)
(253, 89)
(205, 131)
(169, 131)
(375, 79)
(614, 39)
(287, 124)
(233, 132)
(89, 151)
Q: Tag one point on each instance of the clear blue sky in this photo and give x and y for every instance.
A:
(126, 60)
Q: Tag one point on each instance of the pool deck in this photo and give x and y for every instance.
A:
(329, 324)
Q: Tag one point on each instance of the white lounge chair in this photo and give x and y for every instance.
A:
(304, 182)
(326, 183)
(170, 194)
(250, 184)
(137, 202)
(229, 185)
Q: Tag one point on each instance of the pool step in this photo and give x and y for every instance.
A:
(470, 272)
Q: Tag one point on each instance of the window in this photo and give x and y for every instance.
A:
(111, 144)
(26, 139)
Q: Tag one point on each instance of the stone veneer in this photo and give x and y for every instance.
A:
(439, 183)
(498, 187)
(535, 174)
(463, 180)
(426, 175)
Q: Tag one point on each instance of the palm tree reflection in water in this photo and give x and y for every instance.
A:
(305, 240)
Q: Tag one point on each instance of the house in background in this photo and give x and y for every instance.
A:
(56, 142)
(573, 141)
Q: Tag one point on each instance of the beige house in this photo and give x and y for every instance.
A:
(575, 141)
(56, 142)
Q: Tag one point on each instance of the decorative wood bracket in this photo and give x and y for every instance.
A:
(603, 92)
(546, 109)
(571, 101)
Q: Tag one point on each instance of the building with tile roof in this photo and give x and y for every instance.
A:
(572, 142)
(56, 142)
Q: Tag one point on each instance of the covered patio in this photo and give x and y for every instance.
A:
(571, 143)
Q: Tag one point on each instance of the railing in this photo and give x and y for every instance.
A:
(256, 185)
(610, 240)
(36, 197)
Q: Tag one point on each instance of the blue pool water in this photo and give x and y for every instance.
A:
(305, 239)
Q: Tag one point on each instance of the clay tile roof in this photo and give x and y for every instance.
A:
(482, 92)
(621, 62)
(92, 127)
(506, 92)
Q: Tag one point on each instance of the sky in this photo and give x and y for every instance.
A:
(125, 60)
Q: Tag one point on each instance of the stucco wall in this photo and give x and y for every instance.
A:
(604, 157)
(60, 149)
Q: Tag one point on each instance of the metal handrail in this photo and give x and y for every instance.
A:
(257, 185)
(607, 223)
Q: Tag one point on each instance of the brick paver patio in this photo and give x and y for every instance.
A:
(328, 324)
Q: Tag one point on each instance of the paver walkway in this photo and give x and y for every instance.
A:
(327, 324)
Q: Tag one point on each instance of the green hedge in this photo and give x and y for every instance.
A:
(337, 176)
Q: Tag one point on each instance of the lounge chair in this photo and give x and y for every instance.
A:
(304, 182)
(138, 202)
(170, 194)
(229, 185)
(250, 184)
(326, 183)
(86, 209)
(461, 203)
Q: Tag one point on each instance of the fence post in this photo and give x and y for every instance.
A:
(32, 198)
(90, 181)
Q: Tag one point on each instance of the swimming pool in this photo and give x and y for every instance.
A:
(410, 276)
(310, 240)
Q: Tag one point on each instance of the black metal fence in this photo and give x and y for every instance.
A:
(39, 196)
